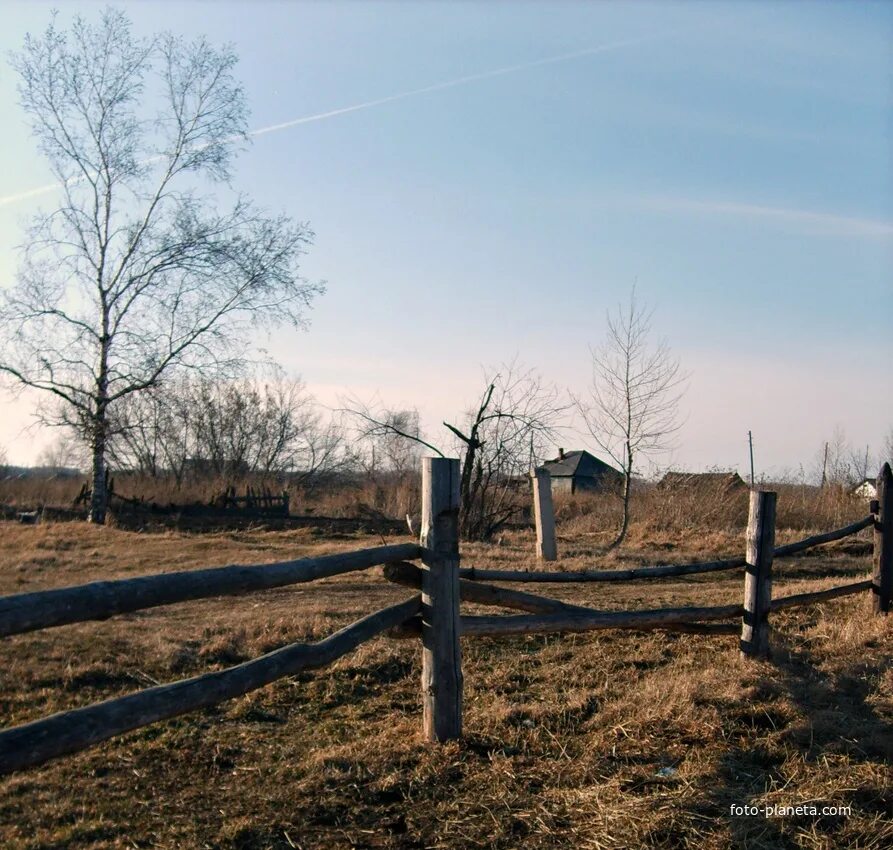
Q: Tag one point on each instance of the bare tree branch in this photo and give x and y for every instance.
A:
(135, 275)
(499, 439)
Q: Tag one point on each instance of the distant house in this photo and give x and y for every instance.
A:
(715, 482)
(865, 489)
(579, 471)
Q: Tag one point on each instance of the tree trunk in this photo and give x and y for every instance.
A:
(627, 485)
(99, 497)
(466, 487)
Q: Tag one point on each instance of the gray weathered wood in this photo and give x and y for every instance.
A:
(544, 514)
(883, 543)
(700, 628)
(100, 600)
(758, 574)
(656, 572)
(584, 621)
(441, 659)
(559, 577)
(71, 731)
(819, 595)
(409, 575)
(827, 537)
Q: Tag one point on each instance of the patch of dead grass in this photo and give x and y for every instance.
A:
(602, 740)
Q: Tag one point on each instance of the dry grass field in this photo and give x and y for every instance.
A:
(605, 740)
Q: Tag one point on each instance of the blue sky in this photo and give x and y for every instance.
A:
(733, 161)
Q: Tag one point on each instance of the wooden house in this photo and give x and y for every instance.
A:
(579, 471)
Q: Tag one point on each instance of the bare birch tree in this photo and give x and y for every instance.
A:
(632, 405)
(136, 274)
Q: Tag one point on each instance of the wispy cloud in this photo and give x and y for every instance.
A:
(810, 220)
(391, 98)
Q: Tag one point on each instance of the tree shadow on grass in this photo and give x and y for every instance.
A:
(834, 724)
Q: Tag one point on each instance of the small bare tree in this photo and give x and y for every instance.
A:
(135, 274)
(836, 463)
(152, 432)
(66, 451)
(395, 446)
(499, 439)
(268, 425)
(502, 438)
(632, 405)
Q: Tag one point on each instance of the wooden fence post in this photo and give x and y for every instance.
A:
(758, 576)
(882, 588)
(546, 548)
(441, 658)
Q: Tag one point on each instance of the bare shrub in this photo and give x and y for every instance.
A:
(499, 439)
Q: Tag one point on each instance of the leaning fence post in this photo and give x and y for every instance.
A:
(882, 580)
(544, 513)
(758, 576)
(441, 659)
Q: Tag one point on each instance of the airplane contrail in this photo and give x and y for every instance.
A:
(460, 81)
(368, 104)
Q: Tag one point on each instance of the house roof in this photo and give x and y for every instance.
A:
(723, 480)
(579, 464)
(871, 482)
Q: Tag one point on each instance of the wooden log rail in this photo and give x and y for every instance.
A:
(827, 537)
(99, 600)
(578, 621)
(409, 575)
(71, 731)
(556, 577)
(819, 595)
(660, 571)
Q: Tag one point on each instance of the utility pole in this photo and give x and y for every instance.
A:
(825, 468)
(750, 444)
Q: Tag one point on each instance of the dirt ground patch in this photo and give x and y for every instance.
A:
(604, 740)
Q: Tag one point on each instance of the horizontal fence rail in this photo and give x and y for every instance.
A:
(409, 575)
(99, 600)
(660, 571)
(579, 621)
(819, 595)
(71, 731)
(827, 537)
(555, 576)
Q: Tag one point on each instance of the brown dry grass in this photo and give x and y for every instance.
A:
(390, 494)
(565, 735)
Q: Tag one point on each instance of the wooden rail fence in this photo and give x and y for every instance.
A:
(432, 615)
